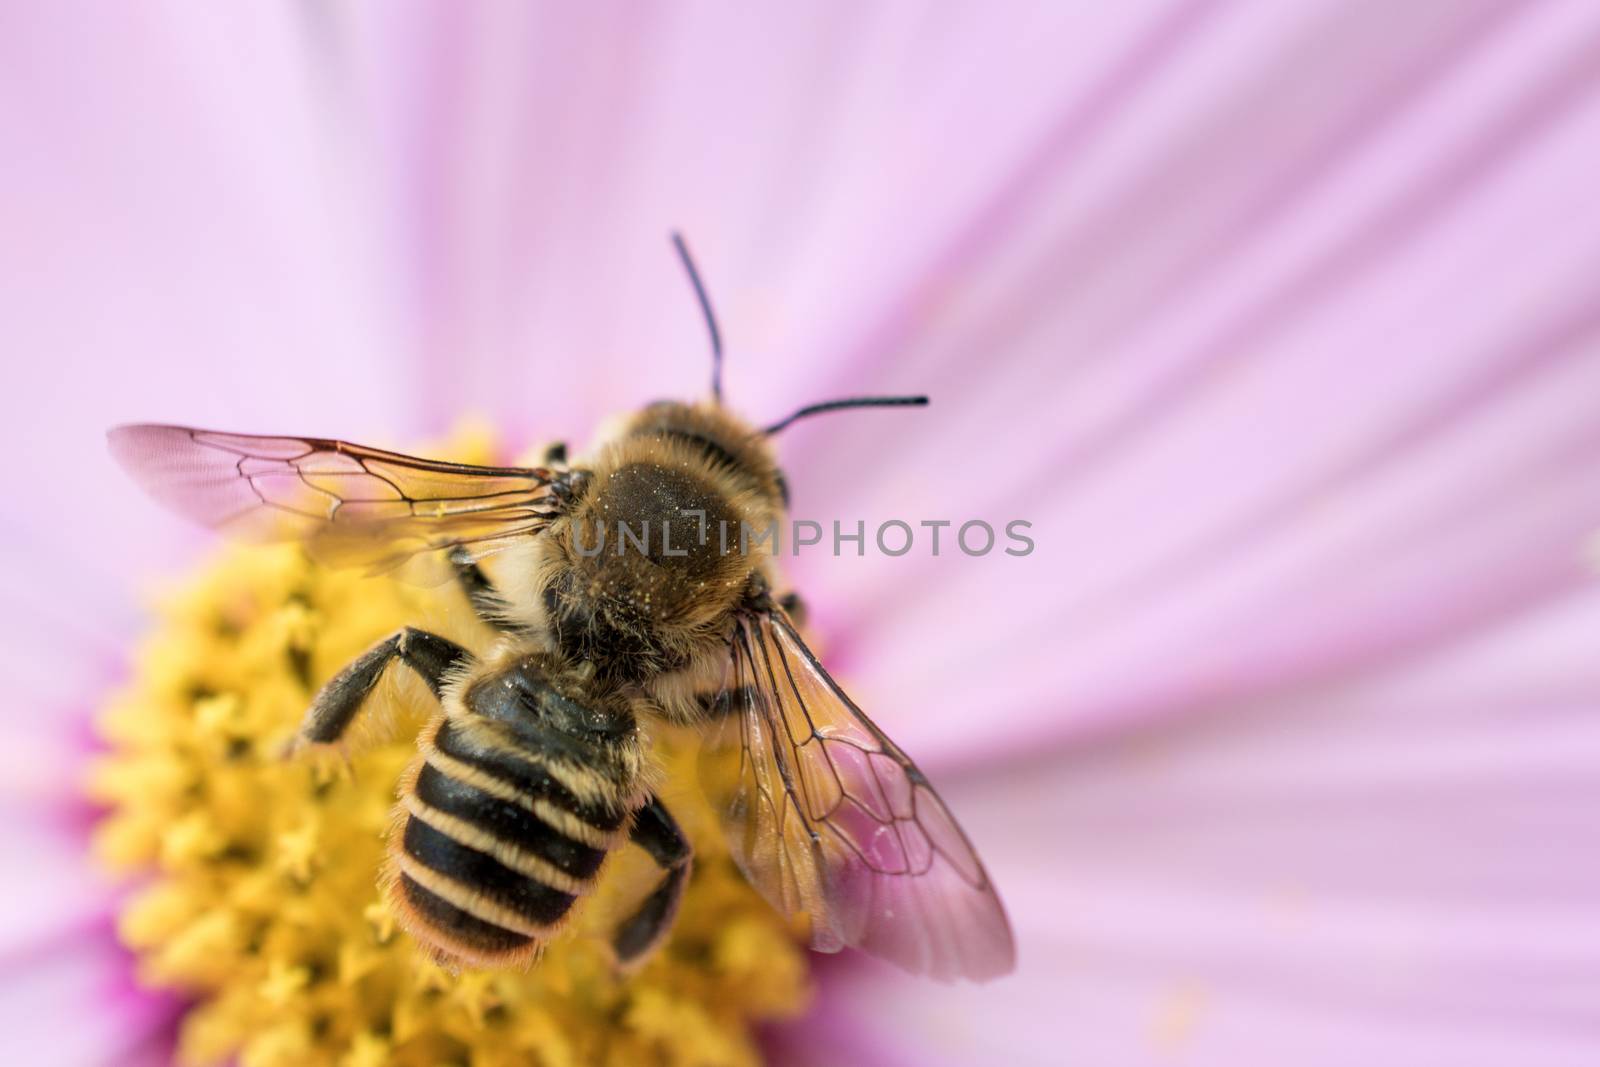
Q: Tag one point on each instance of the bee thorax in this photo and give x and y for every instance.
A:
(652, 558)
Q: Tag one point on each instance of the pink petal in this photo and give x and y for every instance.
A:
(1353, 409)
(183, 246)
(1398, 869)
(538, 157)
(64, 1003)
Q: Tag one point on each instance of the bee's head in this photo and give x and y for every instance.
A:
(720, 439)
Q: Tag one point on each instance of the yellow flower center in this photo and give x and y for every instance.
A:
(263, 901)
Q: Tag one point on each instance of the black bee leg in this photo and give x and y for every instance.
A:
(794, 607)
(481, 593)
(555, 454)
(335, 705)
(655, 831)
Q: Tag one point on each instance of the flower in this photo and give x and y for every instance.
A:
(1276, 321)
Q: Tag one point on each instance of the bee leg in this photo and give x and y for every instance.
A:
(655, 830)
(334, 707)
(481, 593)
(555, 454)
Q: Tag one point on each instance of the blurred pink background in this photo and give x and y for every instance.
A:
(1277, 320)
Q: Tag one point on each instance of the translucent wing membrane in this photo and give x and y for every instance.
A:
(829, 818)
(350, 505)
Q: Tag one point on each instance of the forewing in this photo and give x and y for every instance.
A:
(351, 505)
(829, 818)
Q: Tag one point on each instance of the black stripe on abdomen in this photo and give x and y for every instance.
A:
(507, 822)
(480, 872)
(528, 776)
(459, 927)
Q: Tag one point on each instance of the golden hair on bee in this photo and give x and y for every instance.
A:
(640, 575)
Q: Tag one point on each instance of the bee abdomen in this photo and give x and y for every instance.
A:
(493, 852)
(455, 931)
(520, 778)
(512, 833)
(470, 896)
(479, 882)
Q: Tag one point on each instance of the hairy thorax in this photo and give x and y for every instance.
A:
(663, 542)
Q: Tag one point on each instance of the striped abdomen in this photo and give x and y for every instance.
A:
(494, 850)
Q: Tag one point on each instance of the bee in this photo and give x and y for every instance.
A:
(537, 765)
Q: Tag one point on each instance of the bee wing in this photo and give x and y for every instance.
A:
(829, 818)
(350, 505)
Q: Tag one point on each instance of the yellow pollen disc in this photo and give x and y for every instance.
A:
(260, 872)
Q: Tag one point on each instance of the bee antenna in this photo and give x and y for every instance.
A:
(705, 308)
(853, 402)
